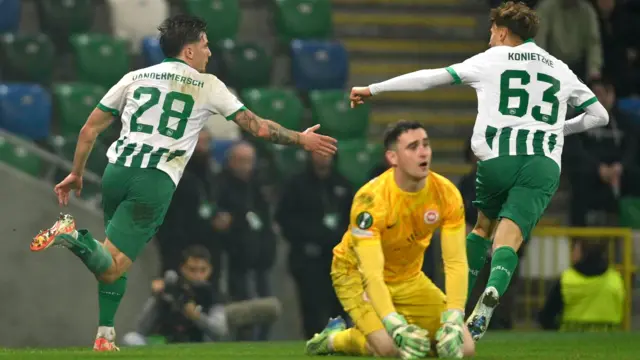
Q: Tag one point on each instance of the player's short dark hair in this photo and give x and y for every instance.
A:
(393, 131)
(196, 252)
(518, 18)
(178, 31)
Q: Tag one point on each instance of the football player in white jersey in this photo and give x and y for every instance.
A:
(523, 93)
(162, 109)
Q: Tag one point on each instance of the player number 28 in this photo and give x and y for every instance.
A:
(167, 112)
(549, 96)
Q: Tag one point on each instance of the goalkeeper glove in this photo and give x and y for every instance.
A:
(449, 338)
(411, 340)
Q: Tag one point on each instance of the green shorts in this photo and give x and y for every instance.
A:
(135, 202)
(518, 188)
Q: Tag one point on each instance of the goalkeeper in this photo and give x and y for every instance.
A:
(376, 268)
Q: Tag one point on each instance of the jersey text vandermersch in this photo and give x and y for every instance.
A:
(162, 109)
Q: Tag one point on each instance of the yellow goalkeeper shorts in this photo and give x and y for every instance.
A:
(418, 299)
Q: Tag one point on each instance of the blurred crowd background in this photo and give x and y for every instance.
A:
(250, 219)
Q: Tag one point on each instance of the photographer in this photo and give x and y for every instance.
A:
(186, 308)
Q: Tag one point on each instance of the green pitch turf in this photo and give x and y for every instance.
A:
(495, 346)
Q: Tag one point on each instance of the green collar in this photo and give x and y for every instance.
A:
(174, 60)
(526, 41)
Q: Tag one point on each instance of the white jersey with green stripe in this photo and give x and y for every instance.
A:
(162, 109)
(523, 93)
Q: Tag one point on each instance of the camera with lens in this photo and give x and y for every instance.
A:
(178, 291)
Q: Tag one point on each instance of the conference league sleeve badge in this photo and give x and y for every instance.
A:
(364, 220)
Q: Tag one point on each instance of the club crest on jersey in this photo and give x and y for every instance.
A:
(431, 217)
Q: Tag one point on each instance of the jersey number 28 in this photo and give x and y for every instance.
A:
(549, 96)
(167, 112)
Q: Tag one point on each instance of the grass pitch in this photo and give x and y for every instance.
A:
(495, 346)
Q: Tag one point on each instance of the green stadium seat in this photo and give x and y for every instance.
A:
(331, 109)
(245, 64)
(73, 102)
(303, 19)
(100, 59)
(27, 58)
(19, 157)
(62, 18)
(280, 105)
(356, 158)
(630, 212)
(222, 17)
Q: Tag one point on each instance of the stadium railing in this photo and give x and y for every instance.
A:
(51, 163)
(548, 254)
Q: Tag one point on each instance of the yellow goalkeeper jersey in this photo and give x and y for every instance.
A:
(402, 224)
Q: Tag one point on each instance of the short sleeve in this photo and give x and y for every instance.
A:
(581, 96)
(367, 216)
(454, 212)
(222, 101)
(468, 71)
(113, 102)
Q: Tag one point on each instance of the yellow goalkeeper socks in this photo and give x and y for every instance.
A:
(477, 248)
(350, 342)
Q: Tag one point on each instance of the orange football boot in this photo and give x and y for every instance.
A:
(103, 345)
(46, 238)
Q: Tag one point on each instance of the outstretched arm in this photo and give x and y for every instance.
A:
(466, 72)
(267, 129)
(223, 102)
(415, 81)
(275, 133)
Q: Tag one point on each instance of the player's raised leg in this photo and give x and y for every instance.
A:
(63, 233)
(134, 203)
(535, 179)
(105, 261)
(494, 179)
(507, 241)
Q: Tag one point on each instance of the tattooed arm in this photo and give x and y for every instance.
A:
(267, 129)
(271, 131)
